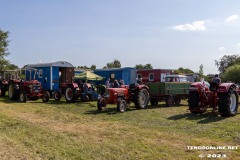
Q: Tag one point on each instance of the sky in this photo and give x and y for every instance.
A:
(165, 33)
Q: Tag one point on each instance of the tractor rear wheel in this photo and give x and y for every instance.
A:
(57, 96)
(70, 94)
(101, 104)
(23, 97)
(46, 96)
(121, 105)
(13, 92)
(170, 101)
(141, 98)
(193, 102)
(228, 103)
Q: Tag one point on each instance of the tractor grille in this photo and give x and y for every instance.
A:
(36, 87)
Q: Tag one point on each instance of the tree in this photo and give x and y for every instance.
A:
(232, 73)
(182, 70)
(227, 61)
(93, 67)
(201, 70)
(147, 66)
(115, 64)
(3, 49)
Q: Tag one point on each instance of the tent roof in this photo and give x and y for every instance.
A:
(87, 75)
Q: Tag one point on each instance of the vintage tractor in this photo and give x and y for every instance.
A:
(223, 98)
(138, 94)
(26, 90)
(3, 87)
(73, 91)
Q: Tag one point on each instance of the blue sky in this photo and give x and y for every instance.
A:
(166, 33)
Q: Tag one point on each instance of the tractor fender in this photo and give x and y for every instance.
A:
(73, 85)
(143, 87)
(225, 87)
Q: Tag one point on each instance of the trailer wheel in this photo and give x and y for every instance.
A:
(13, 92)
(193, 102)
(69, 94)
(23, 97)
(154, 102)
(228, 103)
(101, 104)
(141, 98)
(46, 96)
(57, 96)
(121, 105)
(177, 101)
(169, 101)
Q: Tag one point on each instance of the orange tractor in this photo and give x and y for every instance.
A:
(138, 94)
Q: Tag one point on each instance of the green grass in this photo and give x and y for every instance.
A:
(58, 130)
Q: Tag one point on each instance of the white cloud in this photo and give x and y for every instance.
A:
(232, 18)
(221, 48)
(194, 26)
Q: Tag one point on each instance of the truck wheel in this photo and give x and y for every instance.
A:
(69, 94)
(193, 102)
(228, 103)
(46, 96)
(57, 96)
(101, 104)
(154, 102)
(170, 101)
(23, 97)
(141, 98)
(13, 92)
(177, 101)
(121, 105)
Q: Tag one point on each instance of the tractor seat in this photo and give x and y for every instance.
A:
(214, 86)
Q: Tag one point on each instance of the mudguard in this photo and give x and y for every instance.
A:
(225, 87)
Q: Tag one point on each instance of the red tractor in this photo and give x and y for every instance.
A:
(138, 94)
(223, 98)
(26, 90)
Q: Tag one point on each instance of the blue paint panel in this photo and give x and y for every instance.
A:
(126, 74)
(55, 78)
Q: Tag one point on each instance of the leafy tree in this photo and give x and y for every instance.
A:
(4, 64)
(182, 70)
(115, 64)
(147, 66)
(227, 61)
(232, 73)
(93, 67)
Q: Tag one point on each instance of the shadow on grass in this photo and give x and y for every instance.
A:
(162, 105)
(200, 118)
(109, 111)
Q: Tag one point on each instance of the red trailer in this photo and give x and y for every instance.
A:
(153, 75)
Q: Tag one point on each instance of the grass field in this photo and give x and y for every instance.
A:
(58, 130)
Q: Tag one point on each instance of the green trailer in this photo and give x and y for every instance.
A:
(170, 92)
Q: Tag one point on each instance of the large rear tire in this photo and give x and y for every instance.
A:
(13, 92)
(193, 98)
(70, 95)
(141, 98)
(228, 103)
(121, 105)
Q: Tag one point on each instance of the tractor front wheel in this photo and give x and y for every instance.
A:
(70, 94)
(228, 103)
(141, 98)
(46, 96)
(13, 93)
(23, 97)
(101, 104)
(57, 96)
(121, 105)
